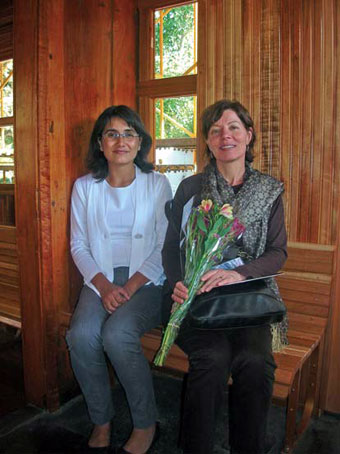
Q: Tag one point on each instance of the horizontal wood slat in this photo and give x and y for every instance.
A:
(174, 86)
(10, 292)
(315, 299)
(8, 234)
(310, 258)
(10, 312)
(308, 309)
(157, 4)
(299, 320)
(305, 282)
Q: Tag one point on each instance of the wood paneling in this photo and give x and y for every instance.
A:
(277, 57)
(124, 61)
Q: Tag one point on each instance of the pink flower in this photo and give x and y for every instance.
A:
(227, 211)
(237, 227)
(206, 205)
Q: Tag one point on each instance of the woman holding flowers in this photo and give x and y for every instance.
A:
(118, 227)
(245, 354)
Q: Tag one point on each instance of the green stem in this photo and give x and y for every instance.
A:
(179, 314)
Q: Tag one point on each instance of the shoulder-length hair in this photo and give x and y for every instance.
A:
(96, 162)
(214, 112)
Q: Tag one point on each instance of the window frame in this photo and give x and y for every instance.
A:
(148, 87)
(8, 189)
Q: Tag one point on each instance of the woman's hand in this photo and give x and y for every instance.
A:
(112, 295)
(218, 277)
(180, 293)
(135, 282)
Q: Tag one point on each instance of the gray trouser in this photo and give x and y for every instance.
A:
(94, 331)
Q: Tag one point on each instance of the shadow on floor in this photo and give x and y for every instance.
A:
(32, 430)
(11, 370)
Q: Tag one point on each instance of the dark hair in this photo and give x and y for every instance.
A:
(96, 162)
(214, 112)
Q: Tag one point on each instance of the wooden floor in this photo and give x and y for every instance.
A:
(11, 370)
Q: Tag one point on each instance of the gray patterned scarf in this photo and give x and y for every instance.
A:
(252, 205)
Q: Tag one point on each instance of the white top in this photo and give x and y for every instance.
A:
(90, 234)
(120, 219)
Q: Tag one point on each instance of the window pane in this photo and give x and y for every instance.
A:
(6, 155)
(6, 88)
(175, 41)
(7, 214)
(175, 117)
(176, 137)
(176, 163)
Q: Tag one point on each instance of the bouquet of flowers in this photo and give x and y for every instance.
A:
(210, 230)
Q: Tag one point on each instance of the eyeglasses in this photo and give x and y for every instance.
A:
(113, 136)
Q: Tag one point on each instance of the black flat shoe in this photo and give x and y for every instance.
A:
(121, 450)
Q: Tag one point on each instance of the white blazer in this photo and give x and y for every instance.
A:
(90, 237)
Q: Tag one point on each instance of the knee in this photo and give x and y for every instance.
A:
(119, 340)
(80, 338)
(259, 368)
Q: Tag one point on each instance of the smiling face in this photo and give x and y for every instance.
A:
(122, 150)
(228, 138)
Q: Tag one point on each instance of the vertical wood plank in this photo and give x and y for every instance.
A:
(202, 79)
(329, 88)
(317, 147)
(286, 109)
(330, 395)
(27, 215)
(270, 87)
(52, 201)
(124, 71)
(233, 48)
(220, 16)
(295, 101)
(306, 126)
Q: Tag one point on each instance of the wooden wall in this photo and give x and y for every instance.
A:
(280, 58)
(74, 58)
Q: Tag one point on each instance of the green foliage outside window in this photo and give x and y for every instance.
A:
(181, 113)
(178, 41)
(6, 84)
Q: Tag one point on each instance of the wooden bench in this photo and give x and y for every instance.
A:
(10, 312)
(306, 289)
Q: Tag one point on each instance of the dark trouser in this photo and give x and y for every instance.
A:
(214, 355)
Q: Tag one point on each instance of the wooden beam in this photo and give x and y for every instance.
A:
(157, 4)
(124, 63)
(27, 198)
(172, 86)
(6, 121)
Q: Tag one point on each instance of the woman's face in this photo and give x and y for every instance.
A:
(119, 150)
(228, 138)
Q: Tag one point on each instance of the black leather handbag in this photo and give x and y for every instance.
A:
(239, 305)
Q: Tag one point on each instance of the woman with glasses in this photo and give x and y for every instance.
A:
(118, 227)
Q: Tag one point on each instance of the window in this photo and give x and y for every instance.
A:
(167, 85)
(7, 177)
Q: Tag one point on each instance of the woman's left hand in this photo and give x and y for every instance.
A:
(218, 277)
